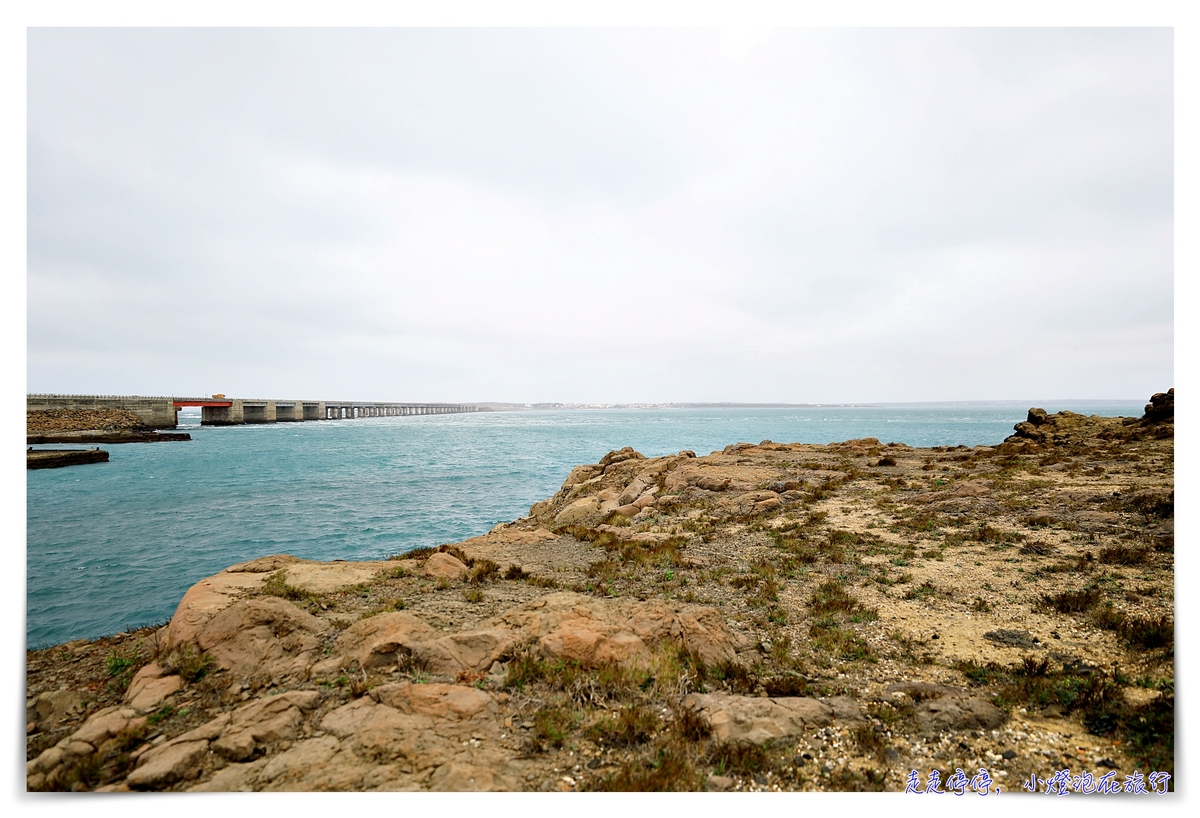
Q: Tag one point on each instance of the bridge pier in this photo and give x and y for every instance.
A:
(222, 415)
(258, 411)
(289, 412)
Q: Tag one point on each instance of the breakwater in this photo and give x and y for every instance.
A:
(56, 459)
(217, 410)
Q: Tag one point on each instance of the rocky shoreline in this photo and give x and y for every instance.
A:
(92, 426)
(769, 617)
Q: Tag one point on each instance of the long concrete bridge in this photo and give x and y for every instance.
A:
(218, 410)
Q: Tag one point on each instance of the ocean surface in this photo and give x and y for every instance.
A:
(114, 545)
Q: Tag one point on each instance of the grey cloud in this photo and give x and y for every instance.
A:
(490, 211)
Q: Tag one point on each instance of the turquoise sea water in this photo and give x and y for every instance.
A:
(114, 545)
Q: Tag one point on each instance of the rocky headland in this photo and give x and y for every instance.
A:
(92, 426)
(771, 616)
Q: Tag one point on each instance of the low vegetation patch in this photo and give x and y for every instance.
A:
(1073, 601)
(1122, 554)
(1149, 729)
(277, 585)
(1138, 631)
(190, 664)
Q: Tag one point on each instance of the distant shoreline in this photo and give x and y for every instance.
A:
(1023, 404)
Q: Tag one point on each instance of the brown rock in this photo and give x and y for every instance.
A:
(767, 505)
(151, 692)
(207, 731)
(712, 482)
(379, 732)
(591, 644)
(211, 595)
(750, 502)
(275, 718)
(439, 701)
(48, 708)
(48, 760)
(1161, 407)
(322, 764)
(919, 691)
(970, 488)
(106, 723)
(382, 639)
(845, 709)
(583, 628)
(167, 764)
(147, 674)
(445, 565)
(756, 720)
(632, 492)
(957, 714)
(312, 762)
(458, 776)
(620, 456)
(266, 638)
(647, 498)
(944, 708)
(581, 474)
(73, 420)
(472, 650)
(578, 511)
(327, 577)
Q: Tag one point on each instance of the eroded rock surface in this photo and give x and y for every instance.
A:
(757, 720)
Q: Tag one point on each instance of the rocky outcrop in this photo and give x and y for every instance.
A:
(400, 737)
(628, 484)
(150, 687)
(445, 565)
(46, 710)
(385, 639)
(265, 639)
(755, 720)
(942, 708)
(211, 595)
(1065, 428)
(577, 628)
(1161, 407)
(47, 421)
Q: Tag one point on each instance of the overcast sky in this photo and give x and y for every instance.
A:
(601, 215)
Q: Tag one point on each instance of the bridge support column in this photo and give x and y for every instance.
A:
(289, 412)
(258, 411)
(222, 415)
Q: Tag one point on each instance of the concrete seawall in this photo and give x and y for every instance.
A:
(163, 412)
(157, 412)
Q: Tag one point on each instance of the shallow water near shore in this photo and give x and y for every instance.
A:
(114, 545)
